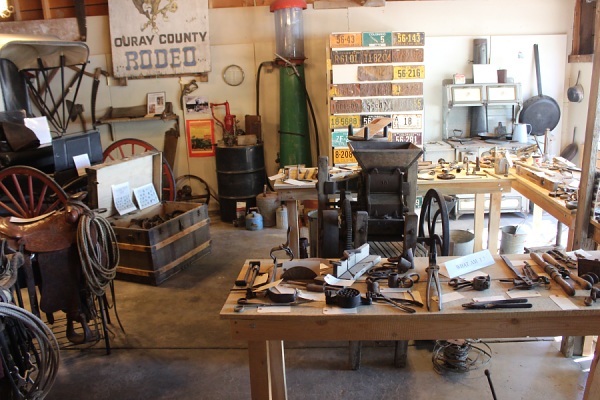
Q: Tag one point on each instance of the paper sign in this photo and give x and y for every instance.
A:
(82, 161)
(145, 196)
(122, 198)
(332, 280)
(522, 294)
(448, 297)
(563, 302)
(40, 127)
(338, 310)
(274, 309)
(472, 262)
(488, 298)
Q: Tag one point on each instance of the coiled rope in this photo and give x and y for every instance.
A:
(43, 349)
(98, 251)
(459, 355)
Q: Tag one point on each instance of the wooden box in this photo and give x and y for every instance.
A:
(149, 255)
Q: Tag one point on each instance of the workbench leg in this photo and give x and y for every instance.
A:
(478, 217)
(536, 220)
(494, 222)
(354, 352)
(570, 235)
(292, 209)
(277, 369)
(592, 386)
(559, 228)
(400, 353)
(258, 361)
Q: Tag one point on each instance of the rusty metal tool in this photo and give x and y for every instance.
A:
(433, 278)
(562, 258)
(580, 281)
(554, 274)
(526, 282)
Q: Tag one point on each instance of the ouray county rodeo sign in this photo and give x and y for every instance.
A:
(159, 37)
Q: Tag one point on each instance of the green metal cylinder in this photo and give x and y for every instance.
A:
(294, 147)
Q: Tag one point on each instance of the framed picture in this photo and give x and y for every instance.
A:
(201, 137)
(156, 103)
(196, 104)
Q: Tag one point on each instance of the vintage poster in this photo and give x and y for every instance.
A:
(159, 37)
(200, 137)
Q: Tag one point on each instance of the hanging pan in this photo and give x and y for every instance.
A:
(541, 112)
(575, 93)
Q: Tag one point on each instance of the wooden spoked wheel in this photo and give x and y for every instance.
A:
(27, 192)
(127, 147)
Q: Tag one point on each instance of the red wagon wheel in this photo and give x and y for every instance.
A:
(128, 147)
(26, 192)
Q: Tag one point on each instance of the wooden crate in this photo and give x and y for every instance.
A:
(150, 255)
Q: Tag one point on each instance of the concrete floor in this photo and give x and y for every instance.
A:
(176, 346)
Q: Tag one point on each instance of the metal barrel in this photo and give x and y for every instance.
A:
(240, 177)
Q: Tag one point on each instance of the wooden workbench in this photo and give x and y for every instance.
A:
(265, 332)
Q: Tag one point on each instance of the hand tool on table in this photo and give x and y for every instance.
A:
(524, 281)
(402, 304)
(478, 283)
(562, 258)
(433, 277)
(554, 274)
(592, 297)
(244, 303)
(487, 305)
(254, 267)
(564, 271)
(531, 274)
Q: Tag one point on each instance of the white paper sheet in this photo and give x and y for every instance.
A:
(145, 196)
(81, 161)
(466, 264)
(39, 126)
(122, 198)
(332, 280)
(338, 310)
(563, 302)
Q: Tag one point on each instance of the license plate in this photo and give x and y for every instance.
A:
(412, 137)
(342, 121)
(407, 89)
(376, 56)
(345, 106)
(345, 90)
(343, 156)
(375, 73)
(407, 55)
(376, 39)
(376, 89)
(347, 57)
(409, 38)
(419, 202)
(409, 72)
(383, 105)
(345, 40)
(339, 138)
(367, 119)
(407, 121)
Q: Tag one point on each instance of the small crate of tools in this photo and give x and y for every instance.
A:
(157, 242)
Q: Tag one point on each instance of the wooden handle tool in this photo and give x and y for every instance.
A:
(580, 281)
(554, 274)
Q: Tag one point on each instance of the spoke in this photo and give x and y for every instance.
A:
(41, 200)
(22, 204)
(30, 187)
(120, 148)
(21, 213)
(10, 210)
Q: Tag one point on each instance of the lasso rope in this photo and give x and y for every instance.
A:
(41, 377)
(98, 251)
(459, 355)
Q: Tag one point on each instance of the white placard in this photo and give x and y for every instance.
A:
(39, 126)
(274, 309)
(522, 294)
(488, 298)
(448, 297)
(332, 280)
(145, 196)
(472, 262)
(314, 296)
(339, 311)
(122, 198)
(81, 161)
(563, 302)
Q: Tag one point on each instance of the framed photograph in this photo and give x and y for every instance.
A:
(196, 104)
(200, 137)
(156, 103)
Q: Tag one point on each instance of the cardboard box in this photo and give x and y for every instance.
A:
(153, 254)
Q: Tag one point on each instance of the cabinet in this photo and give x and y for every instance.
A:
(502, 102)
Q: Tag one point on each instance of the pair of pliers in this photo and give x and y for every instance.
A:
(433, 279)
(486, 305)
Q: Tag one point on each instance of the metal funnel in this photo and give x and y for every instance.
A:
(384, 155)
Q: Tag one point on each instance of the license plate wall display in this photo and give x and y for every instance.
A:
(373, 75)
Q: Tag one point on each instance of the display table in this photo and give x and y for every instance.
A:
(265, 332)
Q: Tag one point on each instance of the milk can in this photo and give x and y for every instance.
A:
(254, 221)
(281, 217)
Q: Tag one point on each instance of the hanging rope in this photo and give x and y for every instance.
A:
(98, 251)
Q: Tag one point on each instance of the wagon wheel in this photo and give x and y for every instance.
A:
(189, 187)
(433, 212)
(26, 192)
(127, 147)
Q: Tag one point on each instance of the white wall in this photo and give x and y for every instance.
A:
(245, 36)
